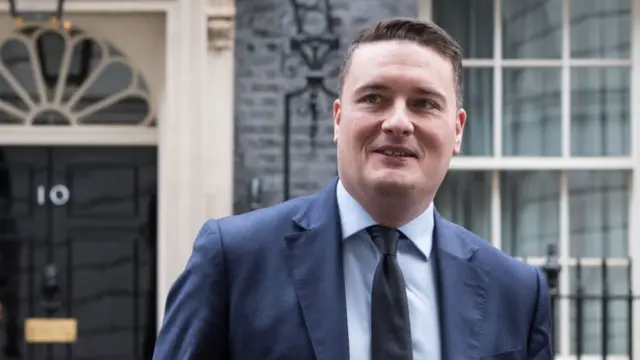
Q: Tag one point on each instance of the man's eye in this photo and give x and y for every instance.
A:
(371, 99)
(425, 104)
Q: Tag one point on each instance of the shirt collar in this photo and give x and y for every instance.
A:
(354, 218)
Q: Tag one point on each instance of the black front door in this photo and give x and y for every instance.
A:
(78, 240)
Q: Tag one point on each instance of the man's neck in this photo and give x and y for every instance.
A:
(391, 210)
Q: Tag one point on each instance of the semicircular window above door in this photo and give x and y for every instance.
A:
(52, 77)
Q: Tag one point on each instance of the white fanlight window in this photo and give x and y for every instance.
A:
(51, 77)
(550, 148)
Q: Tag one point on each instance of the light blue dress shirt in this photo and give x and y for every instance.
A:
(360, 258)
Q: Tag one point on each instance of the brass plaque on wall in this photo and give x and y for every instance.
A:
(43, 330)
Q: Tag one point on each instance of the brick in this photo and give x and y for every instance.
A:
(265, 73)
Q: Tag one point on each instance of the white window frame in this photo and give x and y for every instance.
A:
(497, 163)
(79, 134)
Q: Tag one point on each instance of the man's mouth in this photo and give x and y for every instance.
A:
(395, 151)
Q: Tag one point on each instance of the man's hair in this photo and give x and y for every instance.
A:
(423, 33)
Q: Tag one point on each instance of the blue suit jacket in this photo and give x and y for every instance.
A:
(269, 285)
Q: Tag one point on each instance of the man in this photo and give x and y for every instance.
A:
(365, 268)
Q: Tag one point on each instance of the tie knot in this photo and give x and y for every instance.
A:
(385, 238)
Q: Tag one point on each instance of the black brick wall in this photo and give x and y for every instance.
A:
(267, 69)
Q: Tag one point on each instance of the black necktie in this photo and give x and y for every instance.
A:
(390, 324)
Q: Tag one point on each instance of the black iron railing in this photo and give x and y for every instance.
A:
(601, 303)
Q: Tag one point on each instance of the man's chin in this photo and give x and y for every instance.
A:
(393, 185)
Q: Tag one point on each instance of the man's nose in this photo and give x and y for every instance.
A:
(398, 122)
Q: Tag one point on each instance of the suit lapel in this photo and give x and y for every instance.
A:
(314, 255)
(462, 286)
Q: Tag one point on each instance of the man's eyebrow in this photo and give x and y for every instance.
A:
(372, 87)
(431, 93)
(424, 91)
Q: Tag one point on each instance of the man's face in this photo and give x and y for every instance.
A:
(397, 123)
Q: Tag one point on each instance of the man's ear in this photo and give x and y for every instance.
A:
(461, 120)
(336, 119)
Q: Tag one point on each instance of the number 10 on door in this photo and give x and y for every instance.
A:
(59, 195)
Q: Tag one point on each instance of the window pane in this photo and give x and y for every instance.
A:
(478, 102)
(600, 112)
(465, 198)
(599, 213)
(532, 29)
(470, 22)
(531, 121)
(530, 212)
(591, 281)
(600, 29)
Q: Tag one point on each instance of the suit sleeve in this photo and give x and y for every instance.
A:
(196, 313)
(540, 343)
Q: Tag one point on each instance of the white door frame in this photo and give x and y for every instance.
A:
(195, 150)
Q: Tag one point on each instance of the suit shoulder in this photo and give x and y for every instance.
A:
(260, 223)
(266, 215)
(499, 262)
